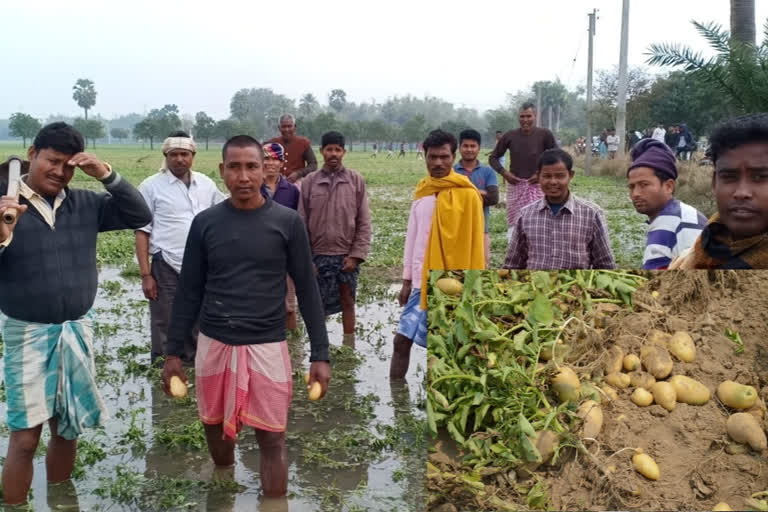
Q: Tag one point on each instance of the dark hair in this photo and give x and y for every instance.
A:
(499, 131)
(240, 141)
(552, 156)
(60, 137)
(332, 137)
(528, 105)
(737, 132)
(179, 133)
(470, 134)
(438, 138)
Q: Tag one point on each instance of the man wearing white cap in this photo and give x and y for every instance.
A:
(174, 195)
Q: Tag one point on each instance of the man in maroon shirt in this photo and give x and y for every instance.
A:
(525, 146)
(300, 160)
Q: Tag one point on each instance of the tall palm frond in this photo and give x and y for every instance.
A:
(739, 70)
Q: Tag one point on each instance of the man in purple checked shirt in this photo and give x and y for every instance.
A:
(285, 193)
(559, 231)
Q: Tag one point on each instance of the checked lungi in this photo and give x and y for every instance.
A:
(519, 196)
(50, 373)
(243, 385)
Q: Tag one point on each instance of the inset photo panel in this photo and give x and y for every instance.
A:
(597, 390)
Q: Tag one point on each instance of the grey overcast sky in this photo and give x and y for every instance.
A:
(143, 54)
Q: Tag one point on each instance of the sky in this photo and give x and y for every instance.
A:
(143, 54)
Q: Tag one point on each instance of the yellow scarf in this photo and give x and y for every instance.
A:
(458, 227)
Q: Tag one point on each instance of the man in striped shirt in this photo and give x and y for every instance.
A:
(674, 225)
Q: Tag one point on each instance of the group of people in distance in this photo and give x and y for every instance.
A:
(226, 274)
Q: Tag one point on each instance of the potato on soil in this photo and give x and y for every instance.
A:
(615, 358)
(641, 379)
(549, 350)
(664, 394)
(631, 362)
(608, 390)
(757, 410)
(592, 414)
(659, 338)
(566, 384)
(617, 380)
(744, 428)
(589, 391)
(642, 398)
(736, 396)
(656, 361)
(721, 507)
(689, 391)
(645, 465)
(681, 346)
(450, 286)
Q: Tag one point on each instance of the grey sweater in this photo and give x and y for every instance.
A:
(233, 278)
(49, 275)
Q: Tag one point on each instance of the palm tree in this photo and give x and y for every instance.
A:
(739, 70)
(308, 105)
(84, 94)
(743, 21)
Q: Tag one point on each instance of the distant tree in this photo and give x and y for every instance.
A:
(226, 128)
(308, 105)
(24, 126)
(326, 122)
(90, 129)
(502, 120)
(165, 120)
(260, 108)
(119, 133)
(415, 129)
(204, 127)
(84, 94)
(337, 99)
(143, 130)
(454, 126)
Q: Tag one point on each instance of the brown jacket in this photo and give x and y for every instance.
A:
(335, 210)
(298, 155)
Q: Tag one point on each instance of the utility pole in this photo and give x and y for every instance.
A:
(538, 105)
(588, 152)
(621, 101)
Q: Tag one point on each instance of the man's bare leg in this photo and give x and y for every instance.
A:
(401, 357)
(222, 450)
(17, 470)
(61, 454)
(273, 463)
(347, 299)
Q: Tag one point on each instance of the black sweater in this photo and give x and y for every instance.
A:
(49, 275)
(233, 278)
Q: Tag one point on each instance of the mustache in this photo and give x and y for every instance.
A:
(743, 206)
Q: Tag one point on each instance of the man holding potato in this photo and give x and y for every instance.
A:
(48, 282)
(736, 237)
(233, 278)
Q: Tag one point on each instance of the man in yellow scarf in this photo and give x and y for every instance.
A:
(445, 232)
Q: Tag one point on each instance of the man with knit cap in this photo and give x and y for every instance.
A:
(674, 225)
(736, 237)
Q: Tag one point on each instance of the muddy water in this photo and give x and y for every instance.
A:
(336, 457)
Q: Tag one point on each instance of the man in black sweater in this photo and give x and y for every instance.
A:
(233, 278)
(48, 281)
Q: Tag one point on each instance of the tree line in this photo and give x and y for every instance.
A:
(699, 92)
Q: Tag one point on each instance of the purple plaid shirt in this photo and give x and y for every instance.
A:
(575, 238)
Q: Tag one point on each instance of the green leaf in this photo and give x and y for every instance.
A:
(520, 339)
(525, 426)
(480, 415)
(431, 422)
(540, 311)
(464, 417)
(479, 397)
(530, 453)
(455, 433)
(440, 398)
(541, 281)
(463, 352)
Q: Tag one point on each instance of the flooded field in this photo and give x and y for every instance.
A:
(360, 448)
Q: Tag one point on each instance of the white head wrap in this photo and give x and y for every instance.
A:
(186, 143)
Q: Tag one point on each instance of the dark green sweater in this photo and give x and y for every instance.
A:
(49, 275)
(233, 278)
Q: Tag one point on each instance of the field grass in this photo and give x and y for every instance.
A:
(390, 187)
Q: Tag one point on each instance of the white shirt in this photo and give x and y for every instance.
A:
(659, 133)
(613, 142)
(173, 207)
